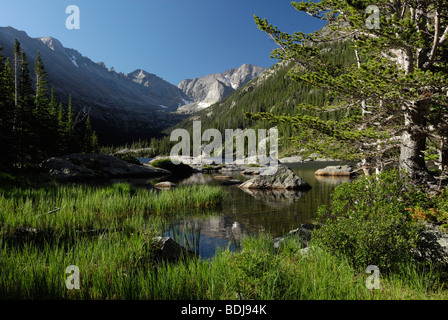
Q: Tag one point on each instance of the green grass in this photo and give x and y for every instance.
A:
(114, 266)
(64, 209)
(108, 231)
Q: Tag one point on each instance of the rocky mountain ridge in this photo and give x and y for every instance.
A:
(207, 90)
(123, 107)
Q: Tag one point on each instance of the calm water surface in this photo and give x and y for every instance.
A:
(252, 212)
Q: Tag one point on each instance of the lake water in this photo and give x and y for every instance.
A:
(252, 212)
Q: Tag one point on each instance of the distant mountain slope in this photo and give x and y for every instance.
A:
(205, 91)
(273, 91)
(123, 107)
(170, 96)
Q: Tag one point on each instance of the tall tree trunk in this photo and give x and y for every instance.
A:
(443, 154)
(413, 143)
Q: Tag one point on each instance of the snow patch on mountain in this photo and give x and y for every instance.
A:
(73, 60)
(233, 85)
(203, 105)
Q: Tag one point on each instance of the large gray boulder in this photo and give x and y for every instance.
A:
(433, 245)
(303, 234)
(293, 159)
(168, 249)
(276, 197)
(337, 171)
(282, 178)
(97, 166)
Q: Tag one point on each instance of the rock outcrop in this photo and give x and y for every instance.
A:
(79, 167)
(282, 178)
(433, 245)
(205, 91)
(303, 234)
(168, 249)
(336, 171)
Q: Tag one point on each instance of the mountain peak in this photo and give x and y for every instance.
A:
(12, 32)
(212, 88)
(52, 43)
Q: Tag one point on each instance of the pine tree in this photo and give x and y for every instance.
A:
(90, 138)
(45, 123)
(388, 99)
(41, 82)
(7, 110)
(70, 143)
(26, 116)
(61, 130)
(17, 51)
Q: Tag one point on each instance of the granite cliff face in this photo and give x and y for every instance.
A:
(205, 91)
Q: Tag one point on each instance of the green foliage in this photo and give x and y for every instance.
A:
(367, 221)
(7, 113)
(90, 138)
(380, 92)
(434, 211)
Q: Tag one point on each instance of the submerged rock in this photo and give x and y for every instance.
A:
(231, 182)
(222, 177)
(97, 166)
(282, 178)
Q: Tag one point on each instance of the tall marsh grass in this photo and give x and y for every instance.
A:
(107, 232)
(83, 208)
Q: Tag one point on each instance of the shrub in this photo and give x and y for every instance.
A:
(367, 221)
(435, 212)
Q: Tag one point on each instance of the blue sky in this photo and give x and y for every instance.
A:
(174, 39)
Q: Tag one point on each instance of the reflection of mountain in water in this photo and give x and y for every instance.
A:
(198, 178)
(213, 227)
(205, 235)
(276, 198)
(245, 212)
